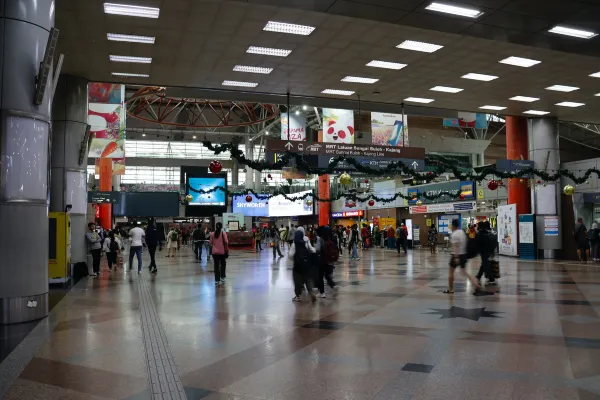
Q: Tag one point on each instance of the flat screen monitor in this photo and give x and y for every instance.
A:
(279, 206)
(255, 208)
(216, 198)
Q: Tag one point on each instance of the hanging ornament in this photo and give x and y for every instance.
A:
(366, 181)
(493, 184)
(309, 202)
(189, 197)
(371, 203)
(539, 182)
(419, 203)
(461, 196)
(215, 167)
(587, 182)
(345, 179)
(324, 180)
(544, 184)
(388, 178)
(521, 180)
(414, 182)
(269, 176)
(569, 190)
(248, 198)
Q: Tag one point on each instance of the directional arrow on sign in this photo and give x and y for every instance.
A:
(289, 145)
(415, 164)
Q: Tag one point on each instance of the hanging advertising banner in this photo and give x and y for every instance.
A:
(338, 126)
(443, 207)
(106, 117)
(507, 229)
(118, 166)
(467, 120)
(279, 206)
(453, 188)
(389, 129)
(296, 129)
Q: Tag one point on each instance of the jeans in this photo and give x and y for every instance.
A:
(594, 249)
(391, 243)
(152, 251)
(137, 250)
(96, 255)
(276, 249)
(111, 259)
(198, 250)
(325, 271)
(220, 265)
(354, 251)
(258, 246)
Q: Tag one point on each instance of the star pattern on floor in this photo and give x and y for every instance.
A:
(468, 313)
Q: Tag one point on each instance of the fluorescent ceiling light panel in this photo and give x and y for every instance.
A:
(446, 89)
(240, 84)
(252, 70)
(595, 75)
(130, 75)
(524, 98)
(562, 30)
(479, 77)
(448, 9)
(418, 100)
(570, 104)
(386, 64)
(131, 11)
(358, 79)
(130, 59)
(282, 27)
(338, 92)
(520, 62)
(117, 37)
(536, 112)
(562, 88)
(419, 46)
(267, 51)
(597, 94)
(495, 108)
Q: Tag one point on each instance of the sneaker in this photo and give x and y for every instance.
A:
(492, 282)
(321, 295)
(358, 259)
(154, 271)
(93, 274)
(222, 281)
(296, 298)
(139, 271)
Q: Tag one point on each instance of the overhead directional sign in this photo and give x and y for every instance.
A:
(514, 166)
(103, 197)
(415, 164)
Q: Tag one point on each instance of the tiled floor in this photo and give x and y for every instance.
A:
(390, 334)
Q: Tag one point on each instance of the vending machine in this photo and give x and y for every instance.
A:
(59, 247)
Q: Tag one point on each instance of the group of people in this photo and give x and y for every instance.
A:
(588, 241)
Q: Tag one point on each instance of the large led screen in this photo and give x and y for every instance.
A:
(216, 198)
(254, 208)
(279, 206)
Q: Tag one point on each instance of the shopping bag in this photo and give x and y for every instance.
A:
(495, 268)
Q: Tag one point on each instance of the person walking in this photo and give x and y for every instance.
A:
(458, 239)
(152, 241)
(135, 235)
(432, 236)
(258, 234)
(220, 251)
(291, 234)
(594, 235)
(275, 239)
(172, 242)
(486, 246)
(111, 248)
(376, 236)
(94, 246)
(401, 238)
(391, 233)
(207, 233)
(283, 235)
(354, 238)
(198, 238)
(328, 254)
(301, 252)
(581, 239)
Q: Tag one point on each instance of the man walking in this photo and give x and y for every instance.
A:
(136, 234)
(275, 239)
(152, 241)
(94, 245)
(458, 239)
(486, 246)
(581, 239)
(401, 238)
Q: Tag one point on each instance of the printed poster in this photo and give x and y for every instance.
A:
(338, 126)
(507, 229)
(107, 127)
(296, 130)
(118, 166)
(389, 129)
(106, 93)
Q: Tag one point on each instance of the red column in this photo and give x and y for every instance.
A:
(324, 207)
(106, 186)
(516, 146)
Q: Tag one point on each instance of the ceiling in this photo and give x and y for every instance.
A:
(198, 42)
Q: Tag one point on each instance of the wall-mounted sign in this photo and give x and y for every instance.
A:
(514, 166)
(443, 207)
(348, 214)
(103, 197)
(551, 225)
(345, 149)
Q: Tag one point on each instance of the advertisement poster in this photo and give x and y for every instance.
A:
(107, 93)
(338, 126)
(389, 129)
(296, 128)
(255, 208)
(467, 120)
(118, 166)
(525, 232)
(385, 223)
(551, 225)
(106, 117)
(216, 198)
(507, 229)
(279, 206)
(233, 221)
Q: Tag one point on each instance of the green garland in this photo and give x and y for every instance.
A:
(444, 164)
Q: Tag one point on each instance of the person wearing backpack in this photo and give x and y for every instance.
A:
(354, 237)
(172, 242)
(301, 252)
(111, 248)
(328, 254)
(401, 238)
(485, 243)
(220, 251)
(594, 235)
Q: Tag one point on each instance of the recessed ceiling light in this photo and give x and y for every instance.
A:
(117, 37)
(448, 9)
(297, 112)
(479, 77)
(193, 137)
(358, 79)
(338, 92)
(446, 89)
(570, 104)
(240, 84)
(304, 108)
(386, 64)
(273, 26)
(524, 98)
(595, 75)
(418, 100)
(562, 88)
(130, 59)
(597, 94)
(132, 11)
(143, 134)
(252, 70)
(495, 108)
(520, 62)
(536, 112)
(562, 30)
(267, 51)
(130, 75)
(419, 46)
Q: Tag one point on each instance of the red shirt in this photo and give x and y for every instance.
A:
(364, 232)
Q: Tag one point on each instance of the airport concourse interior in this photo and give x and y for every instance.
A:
(279, 200)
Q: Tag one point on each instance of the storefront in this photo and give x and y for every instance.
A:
(348, 218)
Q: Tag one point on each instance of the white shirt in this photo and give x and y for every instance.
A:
(136, 235)
(459, 239)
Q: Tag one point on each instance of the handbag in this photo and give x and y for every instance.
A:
(495, 265)
(226, 254)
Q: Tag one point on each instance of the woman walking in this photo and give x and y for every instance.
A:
(111, 247)
(220, 251)
(432, 237)
(354, 237)
(301, 252)
(172, 242)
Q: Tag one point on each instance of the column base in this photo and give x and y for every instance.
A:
(15, 310)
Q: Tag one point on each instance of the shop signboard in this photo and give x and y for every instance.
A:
(443, 207)
(551, 225)
(507, 230)
(454, 188)
(348, 214)
(384, 223)
(591, 198)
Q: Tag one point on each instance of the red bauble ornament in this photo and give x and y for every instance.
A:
(215, 167)
(493, 184)
(371, 203)
(539, 182)
(366, 181)
(248, 198)
(269, 176)
(462, 196)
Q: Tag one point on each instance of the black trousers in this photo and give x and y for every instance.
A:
(111, 259)
(152, 252)
(96, 255)
(220, 265)
(258, 246)
(401, 244)
(325, 271)
(276, 249)
(486, 268)
(302, 279)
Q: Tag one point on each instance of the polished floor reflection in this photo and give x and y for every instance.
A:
(390, 334)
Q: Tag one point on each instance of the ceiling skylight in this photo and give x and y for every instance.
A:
(562, 88)
(570, 104)
(418, 100)
(358, 79)
(130, 59)
(240, 84)
(495, 108)
(338, 92)
(131, 75)
(578, 33)
(386, 64)
(536, 112)
(479, 77)
(252, 70)
(117, 37)
(524, 98)
(446, 89)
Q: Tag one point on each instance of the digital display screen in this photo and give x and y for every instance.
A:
(216, 198)
(254, 208)
(279, 206)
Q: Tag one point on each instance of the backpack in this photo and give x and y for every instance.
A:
(593, 235)
(302, 256)
(80, 270)
(491, 242)
(174, 236)
(113, 246)
(402, 233)
(472, 249)
(330, 252)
